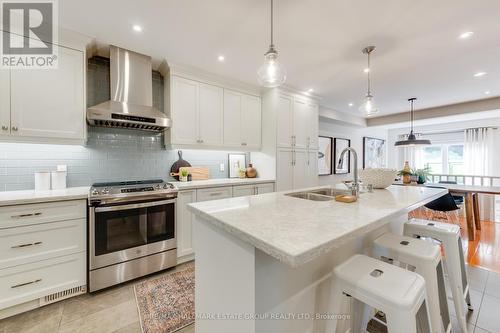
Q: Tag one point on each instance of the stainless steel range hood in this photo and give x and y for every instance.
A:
(131, 104)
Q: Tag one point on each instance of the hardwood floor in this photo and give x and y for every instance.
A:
(484, 251)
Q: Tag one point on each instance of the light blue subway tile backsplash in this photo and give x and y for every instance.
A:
(110, 155)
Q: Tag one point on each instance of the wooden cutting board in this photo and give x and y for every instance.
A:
(197, 173)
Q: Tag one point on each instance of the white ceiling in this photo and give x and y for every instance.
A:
(418, 50)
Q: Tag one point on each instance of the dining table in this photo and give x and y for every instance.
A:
(471, 201)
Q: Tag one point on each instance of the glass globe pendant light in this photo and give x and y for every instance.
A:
(368, 107)
(271, 74)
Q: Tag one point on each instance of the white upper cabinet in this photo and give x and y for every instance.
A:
(4, 101)
(284, 121)
(313, 124)
(184, 111)
(232, 118)
(300, 123)
(49, 103)
(210, 115)
(297, 123)
(251, 121)
(242, 120)
(312, 168)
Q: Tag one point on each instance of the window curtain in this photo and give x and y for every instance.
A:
(478, 156)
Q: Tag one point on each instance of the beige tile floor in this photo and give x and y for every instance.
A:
(115, 311)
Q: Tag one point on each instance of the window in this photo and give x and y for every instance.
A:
(441, 159)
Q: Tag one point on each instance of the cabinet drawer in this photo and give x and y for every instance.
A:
(19, 215)
(214, 193)
(32, 243)
(243, 190)
(265, 188)
(24, 283)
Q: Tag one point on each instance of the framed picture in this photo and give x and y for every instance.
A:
(236, 162)
(373, 153)
(325, 155)
(340, 144)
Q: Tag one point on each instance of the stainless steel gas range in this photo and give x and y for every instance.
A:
(132, 230)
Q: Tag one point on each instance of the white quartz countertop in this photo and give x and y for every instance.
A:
(218, 182)
(8, 198)
(296, 231)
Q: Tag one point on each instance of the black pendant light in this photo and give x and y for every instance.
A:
(412, 140)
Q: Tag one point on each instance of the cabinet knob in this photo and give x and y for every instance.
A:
(14, 128)
(5, 127)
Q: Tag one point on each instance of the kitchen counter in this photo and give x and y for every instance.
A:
(218, 182)
(296, 231)
(9, 198)
(273, 254)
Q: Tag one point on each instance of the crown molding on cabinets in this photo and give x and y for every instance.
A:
(167, 68)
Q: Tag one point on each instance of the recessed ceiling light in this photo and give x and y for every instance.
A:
(479, 74)
(366, 70)
(137, 28)
(466, 34)
(351, 104)
(221, 58)
(487, 92)
(310, 90)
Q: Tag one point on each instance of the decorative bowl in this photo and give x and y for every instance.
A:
(378, 177)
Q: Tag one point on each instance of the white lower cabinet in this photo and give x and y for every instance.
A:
(184, 223)
(37, 280)
(43, 255)
(185, 248)
(243, 190)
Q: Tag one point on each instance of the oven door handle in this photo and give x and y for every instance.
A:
(133, 206)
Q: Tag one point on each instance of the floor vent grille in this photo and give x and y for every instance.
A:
(63, 295)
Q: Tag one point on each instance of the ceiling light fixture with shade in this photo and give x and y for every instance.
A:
(413, 139)
(271, 74)
(368, 107)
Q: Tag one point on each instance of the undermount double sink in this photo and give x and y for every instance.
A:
(324, 194)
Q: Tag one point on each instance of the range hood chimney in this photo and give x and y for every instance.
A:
(131, 104)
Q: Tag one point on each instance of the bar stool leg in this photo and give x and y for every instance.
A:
(465, 284)
(456, 268)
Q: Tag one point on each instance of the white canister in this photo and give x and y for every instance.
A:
(42, 181)
(58, 180)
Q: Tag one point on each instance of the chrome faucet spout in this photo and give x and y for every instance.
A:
(355, 185)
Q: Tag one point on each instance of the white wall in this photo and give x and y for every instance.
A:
(355, 134)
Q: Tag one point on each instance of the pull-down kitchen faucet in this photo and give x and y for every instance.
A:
(355, 184)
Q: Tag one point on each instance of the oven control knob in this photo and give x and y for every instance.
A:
(158, 187)
(105, 190)
(94, 192)
(167, 186)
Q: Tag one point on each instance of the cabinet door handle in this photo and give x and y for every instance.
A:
(25, 215)
(26, 245)
(5, 127)
(14, 128)
(215, 193)
(26, 283)
(243, 143)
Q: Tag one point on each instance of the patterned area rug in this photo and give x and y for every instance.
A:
(166, 304)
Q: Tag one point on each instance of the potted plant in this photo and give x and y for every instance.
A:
(406, 173)
(422, 174)
(183, 177)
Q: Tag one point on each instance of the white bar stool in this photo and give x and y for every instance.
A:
(399, 293)
(424, 258)
(449, 237)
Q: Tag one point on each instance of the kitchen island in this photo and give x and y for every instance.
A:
(263, 263)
